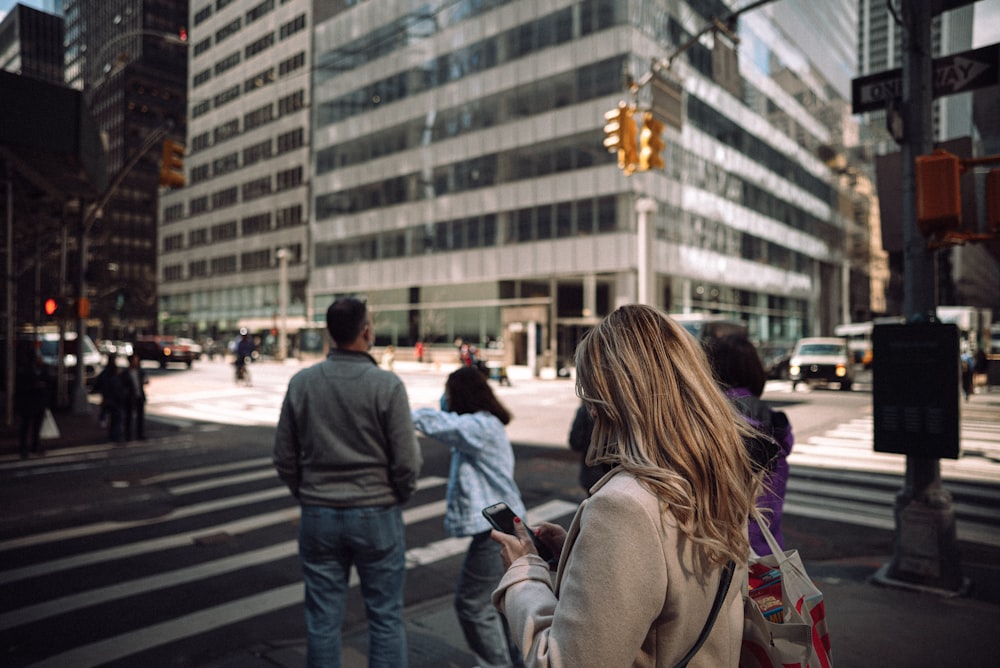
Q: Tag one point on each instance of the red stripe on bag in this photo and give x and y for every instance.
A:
(821, 644)
(758, 653)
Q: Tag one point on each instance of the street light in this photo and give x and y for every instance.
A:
(282, 255)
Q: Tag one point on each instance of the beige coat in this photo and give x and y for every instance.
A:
(626, 592)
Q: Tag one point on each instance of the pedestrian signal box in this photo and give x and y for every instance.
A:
(939, 195)
(915, 389)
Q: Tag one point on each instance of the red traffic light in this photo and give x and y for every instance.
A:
(51, 306)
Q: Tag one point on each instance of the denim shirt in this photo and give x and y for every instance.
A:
(482, 466)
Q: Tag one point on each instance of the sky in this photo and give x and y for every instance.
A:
(985, 24)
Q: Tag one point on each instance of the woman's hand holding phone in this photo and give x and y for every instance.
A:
(513, 547)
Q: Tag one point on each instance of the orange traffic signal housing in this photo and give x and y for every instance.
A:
(172, 166)
(939, 194)
(651, 144)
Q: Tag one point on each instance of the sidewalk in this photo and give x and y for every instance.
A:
(869, 624)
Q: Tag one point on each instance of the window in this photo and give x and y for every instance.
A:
(259, 10)
(200, 142)
(224, 265)
(173, 242)
(255, 224)
(198, 237)
(226, 131)
(225, 164)
(173, 272)
(293, 26)
(256, 260)
(259, 81)
(292, 64)
(197, 268)
(203, 15)
(289, 217)
(226, 96)
(256, 188)
(291, 103)
(262, 44)
(258, 117)
(198, 174)
(199, 205)
(290, 140)
(227, 30)
(201, 77)
(224, 231)
(289, 178)
(173, 213)
(257, 152)
(224, 198)
(202, 46)
(227, 63)
(201, 109)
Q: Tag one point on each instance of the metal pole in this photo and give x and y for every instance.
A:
(644, 206)
(282, 303)
(924, 549)
(9, 378)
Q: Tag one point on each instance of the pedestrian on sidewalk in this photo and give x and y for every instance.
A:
(646, 554)
(346, 447)
(135, 412)
(31, 399)
(739, 371)
(110, 383)
(472, 423)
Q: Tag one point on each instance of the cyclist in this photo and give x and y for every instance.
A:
(244, 353)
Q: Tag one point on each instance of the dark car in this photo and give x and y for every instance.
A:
(163, 350)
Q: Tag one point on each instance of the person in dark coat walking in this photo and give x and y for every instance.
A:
(135, 412)
(110, 384)
(579, 441)
(31, 398)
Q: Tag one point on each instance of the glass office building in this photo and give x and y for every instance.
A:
(460, 183)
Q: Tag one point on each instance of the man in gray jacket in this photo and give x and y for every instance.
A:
(347, 449)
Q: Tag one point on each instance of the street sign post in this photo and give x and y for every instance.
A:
(957, 73)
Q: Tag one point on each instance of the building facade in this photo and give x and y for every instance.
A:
(234, 242)
(460, 181)
(130, 62)
(31, 44)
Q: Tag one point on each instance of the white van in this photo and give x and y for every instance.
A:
(49, 351)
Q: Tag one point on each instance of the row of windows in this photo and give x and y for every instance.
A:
(230, 264)
(551, 30)
(251, 190)
(252, 154)
(586, 83)
(258, 223)
(560, 220)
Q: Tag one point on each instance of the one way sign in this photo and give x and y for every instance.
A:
(956, 73)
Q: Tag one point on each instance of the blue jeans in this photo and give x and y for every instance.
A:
(484, 628)
(373, 539)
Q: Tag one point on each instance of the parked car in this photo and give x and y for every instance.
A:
(821, 360)
(47, 344)
(163, 350)
(116, 348)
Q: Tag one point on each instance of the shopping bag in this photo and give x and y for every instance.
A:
(49, 428)
(784, 619)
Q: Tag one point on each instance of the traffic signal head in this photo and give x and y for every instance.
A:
(172, 166)
(620, 137)
(939, 196)
(52, 306)
(651, 143)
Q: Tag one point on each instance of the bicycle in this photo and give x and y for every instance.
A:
(243, 373)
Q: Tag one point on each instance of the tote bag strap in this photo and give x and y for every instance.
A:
(720, 596)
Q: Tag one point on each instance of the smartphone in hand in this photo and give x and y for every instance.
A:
(501, 518)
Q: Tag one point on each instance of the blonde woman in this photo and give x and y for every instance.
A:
(643, 558)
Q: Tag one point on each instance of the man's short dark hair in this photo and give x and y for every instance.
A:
(345, 319)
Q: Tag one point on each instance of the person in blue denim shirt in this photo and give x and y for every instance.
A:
(472, 423)
(346, 447)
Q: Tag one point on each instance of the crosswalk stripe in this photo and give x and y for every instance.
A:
(208, 619)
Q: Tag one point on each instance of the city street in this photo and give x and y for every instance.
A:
(180, 550)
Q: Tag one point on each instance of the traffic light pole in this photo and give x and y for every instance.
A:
(924, 546)
(88, 215)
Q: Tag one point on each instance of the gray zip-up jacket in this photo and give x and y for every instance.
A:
(345, 437)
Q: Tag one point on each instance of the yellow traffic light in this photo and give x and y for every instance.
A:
(172, 166)
(620, 137)
(651, 143)
(939, 196)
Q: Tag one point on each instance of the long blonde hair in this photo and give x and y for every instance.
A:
(660, 415)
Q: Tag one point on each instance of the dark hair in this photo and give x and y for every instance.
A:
(469, 392)
(345, 319)
(736, 363)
